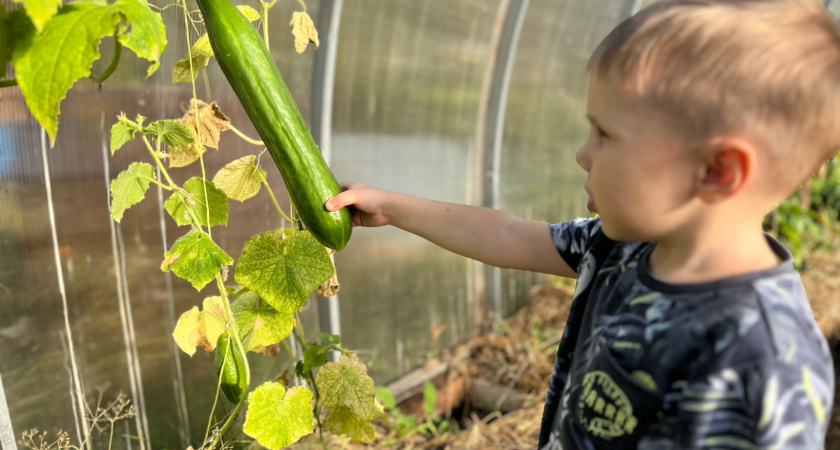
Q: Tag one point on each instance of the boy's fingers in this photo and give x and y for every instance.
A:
(340, 201)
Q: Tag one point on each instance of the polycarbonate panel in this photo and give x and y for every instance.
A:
(545, 119)
(120, 306)
(407, 84)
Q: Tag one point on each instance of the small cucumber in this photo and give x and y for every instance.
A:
(230, 369)
(254, 77)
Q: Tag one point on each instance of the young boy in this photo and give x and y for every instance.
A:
(689, 328)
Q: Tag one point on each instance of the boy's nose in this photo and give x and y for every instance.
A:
(582, 158)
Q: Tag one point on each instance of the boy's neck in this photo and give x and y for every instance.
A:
(705, 254)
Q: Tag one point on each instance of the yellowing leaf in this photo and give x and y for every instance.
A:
(195, 258)
(276, 417)
(145, 33)
(240, 179)
(201, 328)
(283, 272)
(130, 187)
(40, 11)
(201, 52)
(260, 325)
(303, 30)
(342, 420)
(348, 394)
(47, 64)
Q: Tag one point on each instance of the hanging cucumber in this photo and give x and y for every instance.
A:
(254, 77)
(231, 369)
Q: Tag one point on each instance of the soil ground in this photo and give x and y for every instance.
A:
(519, 356)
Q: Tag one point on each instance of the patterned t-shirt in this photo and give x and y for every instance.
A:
(737, 363)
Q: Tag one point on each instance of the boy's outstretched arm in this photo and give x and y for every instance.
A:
(484, 234)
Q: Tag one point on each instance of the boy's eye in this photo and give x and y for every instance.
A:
(601, 132)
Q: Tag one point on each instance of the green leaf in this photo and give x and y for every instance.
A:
(259, 323)
(240, 179)
(329, 339)
(130, 187)
(47, 65)
(314, 356)
(170, 131)
(201, 328)
(349, 396)
(181, 70)
(429, 398)
(195, 258)
(146, 35)
(276, 417)
(40, 11)
(283, 272)
(386, 397)
(121, 132)
(201, 52)
(194, 196)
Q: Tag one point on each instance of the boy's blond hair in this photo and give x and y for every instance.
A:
(767, 68)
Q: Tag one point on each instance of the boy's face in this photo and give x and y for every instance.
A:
(642, 177)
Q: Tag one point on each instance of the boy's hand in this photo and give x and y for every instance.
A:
(365, 202)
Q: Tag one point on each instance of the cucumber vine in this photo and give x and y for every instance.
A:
(277, 269)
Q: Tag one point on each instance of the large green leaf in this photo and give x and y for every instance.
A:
(130, 187)
(350, 398)
(47, 64)
(201, 328)
(277, 418)
(259, 323)
(196, 199)
(40, 11)
(283, 272)
(195, 258)
(240, 179)
(146, 35)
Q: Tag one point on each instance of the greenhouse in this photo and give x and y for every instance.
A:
(110, 334)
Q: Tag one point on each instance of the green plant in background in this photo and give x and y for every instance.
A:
(810, 218)
(51, 47)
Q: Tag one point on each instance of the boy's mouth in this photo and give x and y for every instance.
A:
(590, 204)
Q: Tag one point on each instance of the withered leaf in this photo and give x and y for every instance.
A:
(303, 30)
(211, 123)
(331, 286)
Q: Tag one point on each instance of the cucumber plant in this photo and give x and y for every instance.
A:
(277, 270)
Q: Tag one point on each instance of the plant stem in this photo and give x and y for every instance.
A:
(244, 137)
(302, 4)
(111, 438)
(216, 401)
(152, 180)
(276, 205)
(115, 61)
(310, 378)
(8, 83)
(233, 330)
(172, 184)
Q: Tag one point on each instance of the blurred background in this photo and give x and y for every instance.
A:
(471, 101)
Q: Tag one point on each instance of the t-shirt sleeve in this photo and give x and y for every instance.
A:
(770, 404)
(572, 239)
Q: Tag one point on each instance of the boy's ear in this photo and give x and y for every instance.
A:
(729, 164)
